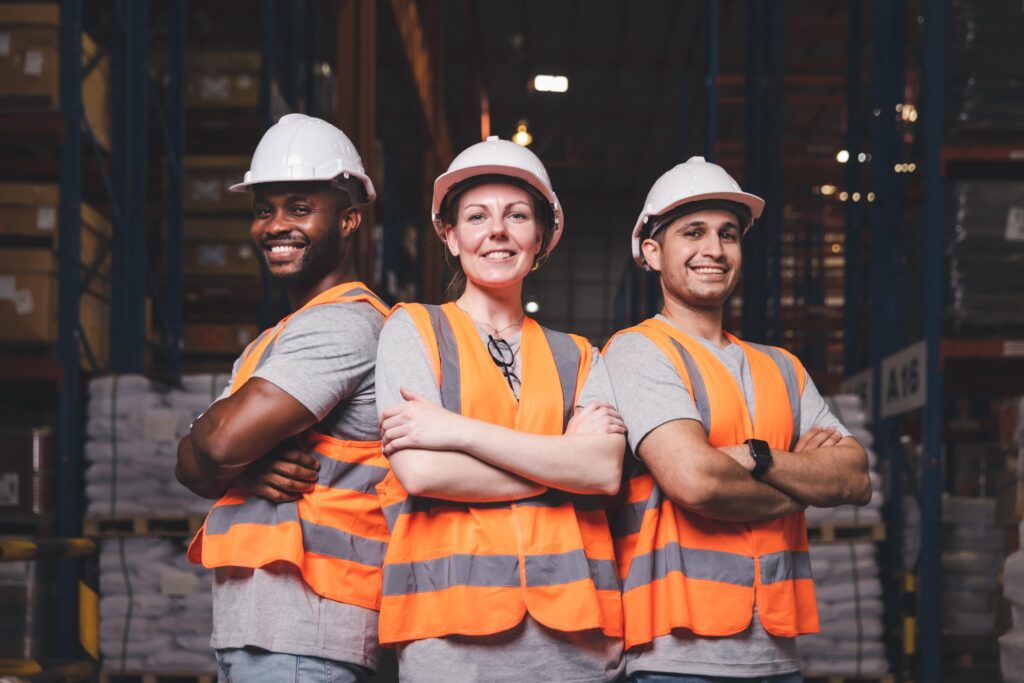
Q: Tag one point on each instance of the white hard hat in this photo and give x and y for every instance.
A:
(694, 181)
(498, 157)
(300, 148)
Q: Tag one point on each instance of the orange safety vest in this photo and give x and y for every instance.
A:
(478, 568)
(335, 534)
(682, 570)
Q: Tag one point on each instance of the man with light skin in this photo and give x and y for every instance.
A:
(733, 442)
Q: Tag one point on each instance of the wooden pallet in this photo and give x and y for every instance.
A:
(164, 526)
(26, 524)
(833, 678)
(150, 677)
(845, 533)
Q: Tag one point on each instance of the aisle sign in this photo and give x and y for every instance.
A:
(904, 380)
(860, 385)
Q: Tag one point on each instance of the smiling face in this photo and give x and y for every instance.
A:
(300, 229)
(698, 256)
(496, 235)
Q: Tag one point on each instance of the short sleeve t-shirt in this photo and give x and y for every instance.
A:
(530, 651)
(650, 393)
(324, 358)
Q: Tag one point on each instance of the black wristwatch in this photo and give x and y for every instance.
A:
(761, 452)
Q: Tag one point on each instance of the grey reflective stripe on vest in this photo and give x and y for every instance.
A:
(350, 476)
(567, 363)
(560, 568)
(693, 563)
(700, 393)
(266, 352)
(785, 565)
(450, 381)
(316, 538)
(252, 511)
(489, 571)
(788, 371)
(333, 542)
(630, 517)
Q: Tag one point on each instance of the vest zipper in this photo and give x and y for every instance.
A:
(519, 548)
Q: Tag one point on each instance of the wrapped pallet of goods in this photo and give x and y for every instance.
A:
(847, 579)
(133, 428)
(986, 69)
(986, 254)
(972, 553)
(155, 608)
(1011, 643)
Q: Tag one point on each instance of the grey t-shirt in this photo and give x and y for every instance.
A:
(325, 359)
(650, 393)
(530, 651)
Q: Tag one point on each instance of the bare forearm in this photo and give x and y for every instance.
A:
(731, 494)
(579, 463)
(201, 475)
(823, 477)
(452, 475)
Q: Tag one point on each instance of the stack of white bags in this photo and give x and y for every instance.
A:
(846, 576)
(155, 609)
(133, 428)
(1011, 643)
(972, 553)
(849, 409)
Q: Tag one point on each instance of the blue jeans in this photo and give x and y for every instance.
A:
(652, 677)
(250, 664)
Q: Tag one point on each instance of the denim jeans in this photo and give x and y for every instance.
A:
(253, 665)
(652, 677)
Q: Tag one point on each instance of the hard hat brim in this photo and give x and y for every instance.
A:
(751, 201)
(371, 193)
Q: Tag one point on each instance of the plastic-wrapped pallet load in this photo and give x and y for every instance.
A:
(846, 576)
(133, 429)
(849, 592)
(1011, 643)
(155, 608)
(971, 556)
(986, 254)
(986, 66)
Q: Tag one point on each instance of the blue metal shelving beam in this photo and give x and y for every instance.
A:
(174, 245)
(69, 453)
(930, 589)
(130, 260)
(711, 79)
(755, 243)
(773, 175)
(852, 265)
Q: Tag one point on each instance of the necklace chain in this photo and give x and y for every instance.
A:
(495, 331)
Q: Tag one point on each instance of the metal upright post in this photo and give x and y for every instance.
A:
(268, 313)
(755, 242)
(309, 56)
(69, 488)
(852, 289)
(174, 247)
(291, 81)
(710, 80)
(131, 138)
(773, 162)
(930, 608)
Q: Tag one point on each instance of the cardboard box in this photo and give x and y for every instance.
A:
(31, 210)
(220, 247)
(218, 338)
(207, 179)
(28, 302)
(30, 66)
(222, 80)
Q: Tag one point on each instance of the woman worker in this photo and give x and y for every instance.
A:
(501, 434)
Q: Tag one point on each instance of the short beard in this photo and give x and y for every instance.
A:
(321, 257)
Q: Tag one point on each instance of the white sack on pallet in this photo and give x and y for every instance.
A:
(169, 625)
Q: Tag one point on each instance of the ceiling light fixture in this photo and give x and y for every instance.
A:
(842, 156)
(549, 83)
(522, 136)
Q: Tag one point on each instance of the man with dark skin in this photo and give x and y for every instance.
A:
(291, 449)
